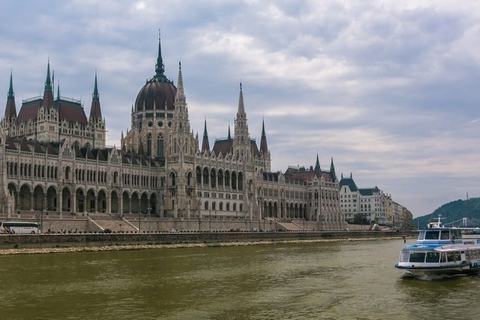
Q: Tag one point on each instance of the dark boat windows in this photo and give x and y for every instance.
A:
(417, 257)
(445, 235)
(432, 235)
(432, 257)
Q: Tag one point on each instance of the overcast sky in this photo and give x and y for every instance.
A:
(389, 89)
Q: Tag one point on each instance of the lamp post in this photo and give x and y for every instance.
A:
(149, 210)
(41, 220)
(139, 229)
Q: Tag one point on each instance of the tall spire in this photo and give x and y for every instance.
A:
(10, 109)
(180, 95)
(159, 67)
(95, 110)
(11, 94)
(58, 91)
(229, 135)
(95, 96)
(332, 171)
(48, 81)
(263, 142)
(241, 106)
(47, 102)
(317, 164)
(205, 143)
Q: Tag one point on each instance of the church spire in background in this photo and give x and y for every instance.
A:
(263, 142)
(205, 143)
(95, 110)
(10, 109)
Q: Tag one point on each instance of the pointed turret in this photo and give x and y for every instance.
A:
(332, 171)
(10, 109)
(95, 110)
(241, 107)
(229, 135)
(58, 91)
(241, 139)
(263, 142)
(205, 143)
(180, 80)
(180, 98)
(48, 92)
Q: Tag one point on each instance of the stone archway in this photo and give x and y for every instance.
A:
(38, 198)
(66, 200)
(102, 202)
(51, 204)
(114, 202)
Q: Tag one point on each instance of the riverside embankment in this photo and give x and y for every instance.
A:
(51, 243)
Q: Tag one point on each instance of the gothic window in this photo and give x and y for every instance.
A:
(199, 176)
(205, 176)
(159, 145)
(189, 179)
(149, 144)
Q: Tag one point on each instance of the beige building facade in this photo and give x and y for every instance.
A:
(54, 159)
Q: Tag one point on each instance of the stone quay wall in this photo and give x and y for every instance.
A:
(17, 241)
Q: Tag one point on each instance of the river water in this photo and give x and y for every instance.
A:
(341, 280)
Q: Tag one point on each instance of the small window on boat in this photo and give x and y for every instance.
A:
(453, 256)
(443, 258)
(432, 235)
(403, 256)
(457, 234)
(432, 257)
(421, 235)
(445, 235)
(417, 256)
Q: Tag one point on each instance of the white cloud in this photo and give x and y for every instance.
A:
(387, 88)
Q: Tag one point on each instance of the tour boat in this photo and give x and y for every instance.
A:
(440, 251)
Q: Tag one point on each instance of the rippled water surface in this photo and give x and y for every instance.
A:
(344, 280)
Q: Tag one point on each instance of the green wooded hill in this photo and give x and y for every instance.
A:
(452, 214)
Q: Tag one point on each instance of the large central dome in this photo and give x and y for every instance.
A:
(159, 92)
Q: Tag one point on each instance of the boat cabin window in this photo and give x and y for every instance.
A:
(456, 233)
(453, 256)
(404, 256)
(417, 257)
(432, 257)
(443, 257)
(445, 235)
(432, 235)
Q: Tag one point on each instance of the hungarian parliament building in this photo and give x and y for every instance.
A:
(54, 159)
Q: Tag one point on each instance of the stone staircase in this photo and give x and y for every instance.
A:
(289, 226)
(114, 224)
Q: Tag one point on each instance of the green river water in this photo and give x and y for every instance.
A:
(341, 280)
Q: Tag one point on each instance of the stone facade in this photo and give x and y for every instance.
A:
(54, 159)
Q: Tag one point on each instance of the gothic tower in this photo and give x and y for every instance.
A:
(241, 139)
